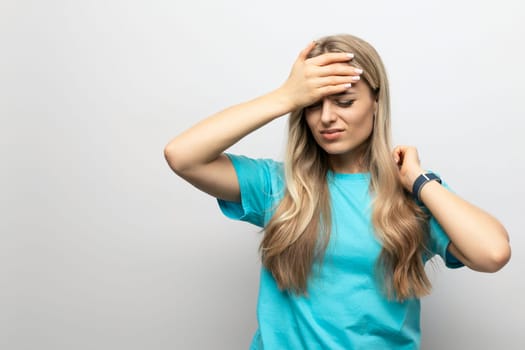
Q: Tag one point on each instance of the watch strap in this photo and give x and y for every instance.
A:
(421, 181)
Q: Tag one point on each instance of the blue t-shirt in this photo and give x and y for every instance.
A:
(345, 307)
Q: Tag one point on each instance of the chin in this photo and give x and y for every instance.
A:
(338, 150)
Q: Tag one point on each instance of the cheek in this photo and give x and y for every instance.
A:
(362, 123)
(360, 117)
(369, 122)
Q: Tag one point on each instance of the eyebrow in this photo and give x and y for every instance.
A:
(345, 93)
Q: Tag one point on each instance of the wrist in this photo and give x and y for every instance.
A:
(409, 177)
(412, 177)
(420, 182)
(284, 99)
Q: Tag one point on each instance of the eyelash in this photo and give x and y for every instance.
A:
(346, 103)
(340, 103)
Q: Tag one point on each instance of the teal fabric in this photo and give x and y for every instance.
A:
(345, 308)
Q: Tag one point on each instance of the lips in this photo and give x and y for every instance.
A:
(331, 134)
(330, 131)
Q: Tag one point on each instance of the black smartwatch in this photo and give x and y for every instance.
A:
(421, 181)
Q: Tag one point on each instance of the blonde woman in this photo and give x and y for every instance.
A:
(348, 221)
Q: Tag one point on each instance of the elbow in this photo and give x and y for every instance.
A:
(174, 159)
(498, 256)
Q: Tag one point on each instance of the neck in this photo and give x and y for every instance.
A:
(351, 162)
(347, 168)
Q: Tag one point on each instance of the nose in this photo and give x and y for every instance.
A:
(328, 114)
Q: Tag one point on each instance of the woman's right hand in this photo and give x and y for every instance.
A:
(312, 79)
(197, 154)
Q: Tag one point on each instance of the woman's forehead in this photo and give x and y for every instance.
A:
(358, 88)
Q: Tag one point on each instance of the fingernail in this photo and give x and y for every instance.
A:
(350, 55)
(358, 71)
(356, 77)
(348, 86)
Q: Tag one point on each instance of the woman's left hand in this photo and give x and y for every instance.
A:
(407, 160)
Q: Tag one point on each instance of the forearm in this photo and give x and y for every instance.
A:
(480, 239)
(310, 80)
(205, 141)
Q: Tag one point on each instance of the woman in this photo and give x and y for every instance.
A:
(348, 222)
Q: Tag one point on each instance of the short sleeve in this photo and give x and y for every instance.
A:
(259, 181)
(439, 241)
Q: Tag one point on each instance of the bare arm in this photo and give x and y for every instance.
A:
(478, 239)
(197, 154)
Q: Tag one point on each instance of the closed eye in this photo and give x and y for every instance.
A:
(344, 103)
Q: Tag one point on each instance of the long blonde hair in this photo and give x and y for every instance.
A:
(299, 231)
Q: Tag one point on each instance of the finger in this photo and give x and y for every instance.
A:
(303, 55)
(339, 69)
(395, 156)
(333, 89)
(400, 149)
(399, 154)
(335, 80)
(331, 57)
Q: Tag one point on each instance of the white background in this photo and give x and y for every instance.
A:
(102, 247)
